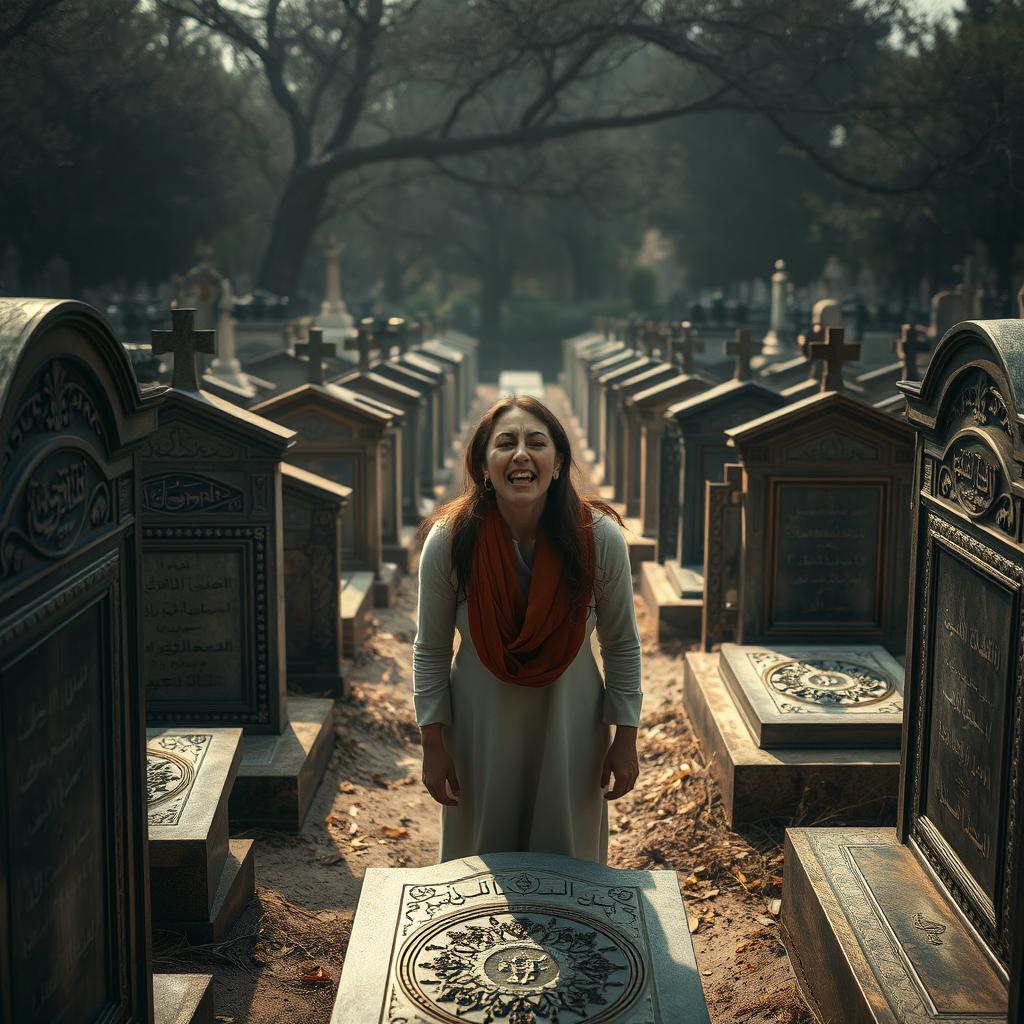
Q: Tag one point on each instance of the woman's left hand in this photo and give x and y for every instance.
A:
(622, 762)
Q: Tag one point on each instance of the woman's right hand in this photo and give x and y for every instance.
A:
(439, 773)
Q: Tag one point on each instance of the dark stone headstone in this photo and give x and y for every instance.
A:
(825, 550)
(74, 934)
(956, 856)
(313, 508)
(213, 643)
(723, 532)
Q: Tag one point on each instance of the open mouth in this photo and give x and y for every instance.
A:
(523, 476)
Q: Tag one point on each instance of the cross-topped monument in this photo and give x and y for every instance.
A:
(395, 331)
(689, 343)
(365, 342)
(744, 348)
(832, 352)
(910, 344)
(317, 350)
(183, 342)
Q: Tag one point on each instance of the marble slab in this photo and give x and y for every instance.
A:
(520, 937)
(816, 696)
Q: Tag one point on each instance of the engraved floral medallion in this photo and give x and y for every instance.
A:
(523, 963)
(829, 682)
(172, 764)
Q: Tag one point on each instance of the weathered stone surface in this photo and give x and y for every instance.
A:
(183, 998)
(522, 937)
(74, 928)
(757, 783)
(960, 827)
(313, 510)
(816, 696)
(190, 776)
(723, 540)
(213, 645)
(278, 775)
(876, 939)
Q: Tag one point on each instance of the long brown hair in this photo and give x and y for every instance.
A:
(562, 518)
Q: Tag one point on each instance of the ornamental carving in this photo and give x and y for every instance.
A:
(171, 493)
(520, 962)
(54, 403)
(832, 447)
(829, 682)
(181, 442)
(979, 402)
(971, 476)
(172, 765)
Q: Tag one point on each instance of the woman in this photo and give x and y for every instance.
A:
(516, 738)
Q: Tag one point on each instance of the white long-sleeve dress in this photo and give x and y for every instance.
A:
(528, 759)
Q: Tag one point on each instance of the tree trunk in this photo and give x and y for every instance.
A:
(295, 221)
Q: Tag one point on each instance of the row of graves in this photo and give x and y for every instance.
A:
(175, 573)
(842, 552)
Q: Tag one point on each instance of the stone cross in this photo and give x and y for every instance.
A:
(688, 341)
(744, 348)
(833, 352)
(183, 343)
(364, 342)
(317, 350)
(910, 344)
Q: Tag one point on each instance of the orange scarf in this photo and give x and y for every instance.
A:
(528, 640)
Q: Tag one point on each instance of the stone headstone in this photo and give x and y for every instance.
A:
(519, 937)
(212, 612)
(74, 934)
(213, 645)
(313, 510)
(948, 308)
(723, 535)
(894, 907)
(775, 340)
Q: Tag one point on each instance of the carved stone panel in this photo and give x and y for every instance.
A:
(73, 927)
(825, 551)
(723, 526)
(519, 937)
(173, 762)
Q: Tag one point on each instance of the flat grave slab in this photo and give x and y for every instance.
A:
(820, 696)
(183, 998)
(888, 945)
(198, 876)
(757, 783)
(522, 937)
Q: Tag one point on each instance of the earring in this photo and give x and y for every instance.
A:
(554, 476)
(488, 486)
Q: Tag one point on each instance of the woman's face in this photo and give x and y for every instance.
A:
(521, 458)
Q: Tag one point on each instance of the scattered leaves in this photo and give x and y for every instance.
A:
(314, 974)
(390, 832)
(346, 787)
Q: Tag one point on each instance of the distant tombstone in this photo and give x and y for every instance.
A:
(723, 533)
(827, 313)
(934, 913)
(342, 437)
(697, 445)
(778, 323)
(202, 287)
(74, 933)
(313, 509)
(948, 308)
(523, 937)
(333, 312)
(213, 646)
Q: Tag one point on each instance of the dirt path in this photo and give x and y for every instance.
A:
(283, 959)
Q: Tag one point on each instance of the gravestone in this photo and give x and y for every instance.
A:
(200, 880)
(335, 318)
(595, 371)
(212, 568)
(213, 648)
(822, 609)
(673, 586)
(341, 436)
(313, 510)
(947, 308)
(880, 384)
(225, 376)
(723, 537)
(74, 934)
(927, 919)
(519, 937)
(776, 340)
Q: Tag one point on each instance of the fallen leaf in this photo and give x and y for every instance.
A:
(775, 908)
(358, 843)
(314, 974)
(693, 921)
(389, 832)
(354, 810)
(332, 820)
(740, 946)
(346, 787)
(353, 827)
(738, 875)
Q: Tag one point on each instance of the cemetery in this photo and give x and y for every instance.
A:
(506, 514)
